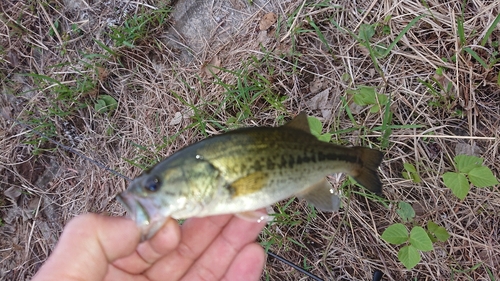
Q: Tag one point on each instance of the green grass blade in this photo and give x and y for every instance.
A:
(400, 35)
(490, 30)
(43, 77)
(348, 111)
(386, 121)
(108, 49)
(461, 32)
(319, 33)
(477, 57)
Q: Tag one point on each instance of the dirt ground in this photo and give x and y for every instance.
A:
(59, 60)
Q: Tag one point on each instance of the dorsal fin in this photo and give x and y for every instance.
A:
(299, 122)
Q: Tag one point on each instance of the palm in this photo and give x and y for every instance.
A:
(96, 248)
(213, 248)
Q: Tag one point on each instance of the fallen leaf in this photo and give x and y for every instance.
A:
(467, 149)
(320, 102)
(187, 113)
(177, 119)
(5, 112)
(267, 21)
(179, 116)
(316, 85)
(211, 68)
(419, 209)
(13, 193)
(262, 38)
(355, 109)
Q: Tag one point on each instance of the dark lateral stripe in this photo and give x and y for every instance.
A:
(289, 161)
(337, 157)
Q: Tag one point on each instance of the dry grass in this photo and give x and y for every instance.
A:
(151, 85)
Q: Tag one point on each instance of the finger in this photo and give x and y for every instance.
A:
(196, 236)
(115, 274)
(148, 252)
(89, 241)
(248, 264)
(217, 258)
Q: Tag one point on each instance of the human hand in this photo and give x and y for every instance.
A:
(94, 248)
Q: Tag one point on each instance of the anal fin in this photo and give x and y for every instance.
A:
(255, 216)
(322, 196)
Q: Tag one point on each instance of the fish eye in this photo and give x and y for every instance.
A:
(152, 184)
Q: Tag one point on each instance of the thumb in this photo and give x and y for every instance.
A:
(87, 245)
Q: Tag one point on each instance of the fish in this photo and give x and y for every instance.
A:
(241, 171)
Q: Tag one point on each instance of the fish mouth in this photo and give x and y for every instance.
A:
(143, 213)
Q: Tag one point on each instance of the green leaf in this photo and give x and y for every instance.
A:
(437, 232)
(442, 234)
(105, 103)
(314, 124)
(409, 256)
(375, 109)
(405, 211)
(482, 177)
(465, 163)
(359, 99)
(419, 239)
(364, 95)
(458, 184)
(316, 127)
(432, 226)
(432, 237)
(411, 173)
(386, 30)
(366, 32)
(395, 234)
(368, 94)
(110, 101)
(380, 50)
(325, 137)
(382, 99)
(409, 167)
(100, 106)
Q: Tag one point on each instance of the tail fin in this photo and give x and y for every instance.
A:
(366, 174)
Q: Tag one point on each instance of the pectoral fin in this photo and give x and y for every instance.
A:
(321, 195)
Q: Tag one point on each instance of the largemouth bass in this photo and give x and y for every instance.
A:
(245, 170)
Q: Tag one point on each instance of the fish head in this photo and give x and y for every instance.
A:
(177, 187)
(154, 196)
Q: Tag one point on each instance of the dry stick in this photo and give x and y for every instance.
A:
(49, 19)
(294, 23)
(437, 136)
(367, 12)
(67, 148)
(32, 229)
